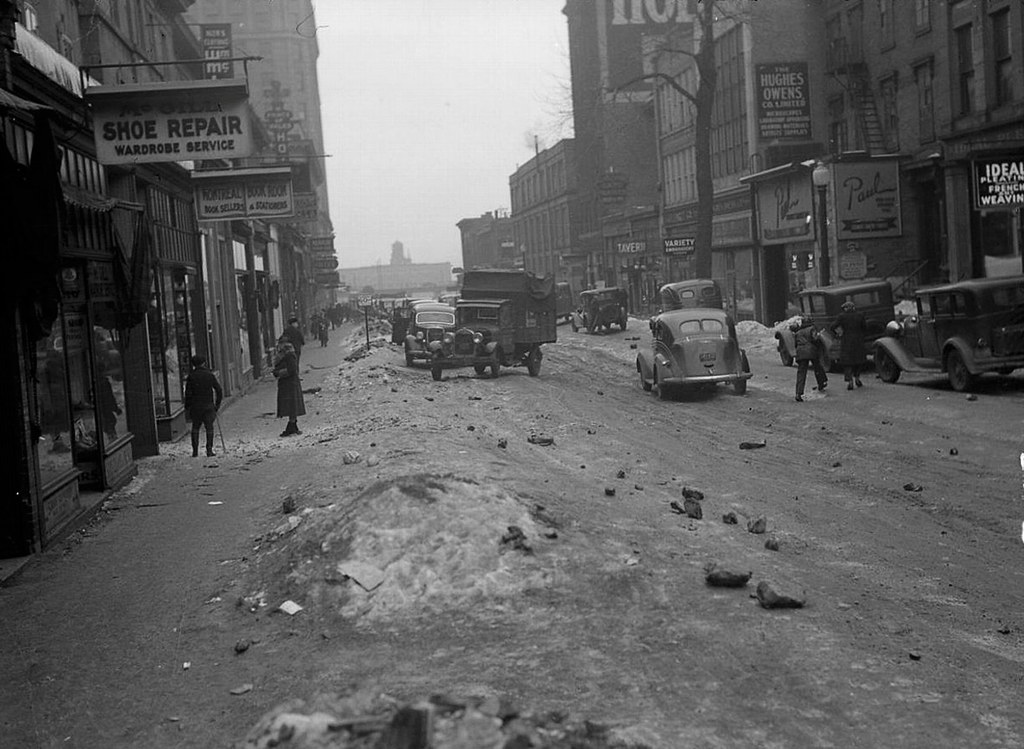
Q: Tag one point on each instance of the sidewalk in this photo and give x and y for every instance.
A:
(98, 629)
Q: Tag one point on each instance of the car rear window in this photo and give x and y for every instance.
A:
(1008, 296)
(444, 318)
(707, 325)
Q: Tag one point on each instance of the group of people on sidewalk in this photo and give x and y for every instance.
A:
(851, 327)
(204, 394)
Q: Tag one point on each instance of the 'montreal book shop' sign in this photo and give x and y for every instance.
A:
(175, 121)
(226, 194)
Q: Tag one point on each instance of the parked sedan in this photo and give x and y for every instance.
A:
(428, 322)
(599, 309)
(696, 346)
(963, 329)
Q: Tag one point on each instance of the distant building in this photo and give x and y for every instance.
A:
(543, 208)
(398, 256)
(397, 279)
(489, 242)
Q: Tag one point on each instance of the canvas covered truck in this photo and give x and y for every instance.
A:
(501, 320)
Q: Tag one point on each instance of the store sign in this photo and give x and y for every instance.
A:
(633, 247)
(853, 264)
(243, 194)
(322, 244)
(680, 245)
(999, 183)
(215, 39)
(174, 121)
(306, 206)
(783, 101)
(785, 206)
(641, 12)
(325, 262)
(867, 196)
(327, 278)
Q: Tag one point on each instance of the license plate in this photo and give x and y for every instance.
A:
(708, 356)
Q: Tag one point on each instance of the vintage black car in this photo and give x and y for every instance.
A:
(690, 347)
(963, 329)
(822, 306)
(694, 292)
(599, 309)
(428, 322)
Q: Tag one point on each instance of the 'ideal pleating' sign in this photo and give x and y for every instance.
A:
(171, 121)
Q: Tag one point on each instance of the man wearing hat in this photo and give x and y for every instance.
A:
(851, 327)
(293, 334)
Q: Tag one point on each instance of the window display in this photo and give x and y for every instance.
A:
(170, 339)
(54, 416)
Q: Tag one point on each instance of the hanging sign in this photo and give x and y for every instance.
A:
(322, 244)
(171, 121)
(215, 39)
(243, 193)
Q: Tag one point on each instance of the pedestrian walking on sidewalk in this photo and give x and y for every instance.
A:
(851, 327)
(289, 387)
(293, 334)
(203, 395)
(808, 353)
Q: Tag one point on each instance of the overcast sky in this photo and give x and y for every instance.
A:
(428, 107)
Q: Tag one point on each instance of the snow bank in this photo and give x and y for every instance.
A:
(421, 543)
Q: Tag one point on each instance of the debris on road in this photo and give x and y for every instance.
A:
(769, 599)
(730, 518)
(753, 445)
(621, 474)
(609, 491)
(692, 508)
(350, 456)
(366, 576)
(502, 443)
(758, 525)
(689, 493)
(515, 539)
(771, 543)
(290, 607)
(288, 505)
(972, 397)
(241, 646)
(243, 689)
(540, 439)
(912, 487)
(719, 577)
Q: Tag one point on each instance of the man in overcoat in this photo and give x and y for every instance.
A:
(851, 327)
(808, 353)
(203, 395)
(289, 387)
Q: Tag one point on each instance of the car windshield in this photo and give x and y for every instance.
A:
(706, 325)
(484, 314)
(444, 318)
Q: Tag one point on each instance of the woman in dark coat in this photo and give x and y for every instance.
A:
(289, 387)
(852, 351)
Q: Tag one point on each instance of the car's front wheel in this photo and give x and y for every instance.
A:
(533, 361)
(960, 378)
(887, 368)
(408, 357)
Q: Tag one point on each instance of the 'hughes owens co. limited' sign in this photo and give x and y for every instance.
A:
(171, 122)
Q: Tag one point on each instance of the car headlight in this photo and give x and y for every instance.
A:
(893, 328)
(419, 335)
(982, 343)
(477, 338)
(449, 337)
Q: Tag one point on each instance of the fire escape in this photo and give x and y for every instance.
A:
(847, 67)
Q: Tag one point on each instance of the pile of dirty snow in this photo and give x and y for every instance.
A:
(413, 545)
(758, 337)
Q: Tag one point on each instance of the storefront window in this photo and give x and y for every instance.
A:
(170, 339)
(55, 456)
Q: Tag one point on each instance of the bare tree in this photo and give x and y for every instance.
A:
(706, 15)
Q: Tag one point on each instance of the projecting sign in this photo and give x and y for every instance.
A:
(175, 121)
(784, 208)
(783, 101)
(325, 262)
(999, 183)
(306, 206)
(867, 195)
(243, 193)
(322, 244)
(215, 39)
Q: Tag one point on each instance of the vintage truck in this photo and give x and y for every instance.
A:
(501, 319)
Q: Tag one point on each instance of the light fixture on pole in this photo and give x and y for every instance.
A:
(821, 176)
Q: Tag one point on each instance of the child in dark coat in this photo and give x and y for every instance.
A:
(808, 353)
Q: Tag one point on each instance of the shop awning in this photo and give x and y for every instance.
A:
(9, 101)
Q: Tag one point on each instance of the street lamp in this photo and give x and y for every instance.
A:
(821, 176)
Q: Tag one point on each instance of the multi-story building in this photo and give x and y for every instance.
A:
(489, 242)
(397, 279)
(939, 84)
(542, 193)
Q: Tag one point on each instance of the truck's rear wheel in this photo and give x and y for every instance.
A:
(960, 378)
(435, 372)
(479, 368)
(495, 363)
